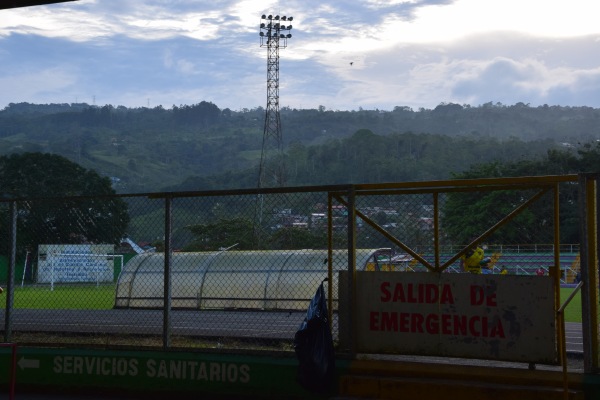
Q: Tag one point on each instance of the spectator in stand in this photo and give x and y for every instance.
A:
(540, 271)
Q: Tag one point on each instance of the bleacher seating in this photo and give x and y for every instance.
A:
(528, 263)
(519, 263)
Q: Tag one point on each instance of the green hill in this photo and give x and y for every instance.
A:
(203, 147)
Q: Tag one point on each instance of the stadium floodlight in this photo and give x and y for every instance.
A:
(274, 29)
(274, 34)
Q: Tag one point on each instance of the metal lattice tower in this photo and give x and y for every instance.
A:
(274, 33)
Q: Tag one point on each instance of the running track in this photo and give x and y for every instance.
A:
(233, 324)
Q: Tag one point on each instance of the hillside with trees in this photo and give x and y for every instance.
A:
(200, 146)
(95, 217)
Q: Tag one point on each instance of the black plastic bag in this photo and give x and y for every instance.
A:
(313, 344)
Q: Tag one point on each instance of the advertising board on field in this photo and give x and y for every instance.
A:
(75, 263)
(497, 317)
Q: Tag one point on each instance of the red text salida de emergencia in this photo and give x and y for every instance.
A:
(435, 323)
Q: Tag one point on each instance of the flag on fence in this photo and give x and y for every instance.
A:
(313, 344)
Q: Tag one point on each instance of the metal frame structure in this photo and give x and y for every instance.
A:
(274, 33)
(169, 330)
(543, 185)
(589, 197)
(588, 211)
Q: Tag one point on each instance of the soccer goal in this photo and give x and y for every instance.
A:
(77, 264)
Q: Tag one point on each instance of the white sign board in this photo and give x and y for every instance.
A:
(498, 317)
(75, 263)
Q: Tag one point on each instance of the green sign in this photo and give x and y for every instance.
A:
(142, 371)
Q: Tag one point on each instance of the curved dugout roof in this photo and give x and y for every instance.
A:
(284, 279)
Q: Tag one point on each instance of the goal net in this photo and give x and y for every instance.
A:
(85, 263)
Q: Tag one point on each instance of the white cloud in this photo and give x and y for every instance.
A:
(44, 83)
(403, 52)
(469, 17)
(506, 68)
(180, 65)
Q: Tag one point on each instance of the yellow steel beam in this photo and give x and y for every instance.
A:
(592, 240)
(497, 225)
(436, 231)
(389, 236)
(484, 182)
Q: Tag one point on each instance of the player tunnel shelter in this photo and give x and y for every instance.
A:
(271, 280)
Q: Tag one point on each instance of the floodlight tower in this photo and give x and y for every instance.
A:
(274, 33)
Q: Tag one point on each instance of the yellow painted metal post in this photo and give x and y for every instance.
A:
(560, 313)
(555, 270)
(589, 269)
(352, 267)
(556, 273)
(592, 222)
(436, 230)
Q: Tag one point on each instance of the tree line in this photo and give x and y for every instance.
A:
(91, 214)
(71, 150)
(150, 149)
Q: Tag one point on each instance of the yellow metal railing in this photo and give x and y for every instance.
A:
(543, 185)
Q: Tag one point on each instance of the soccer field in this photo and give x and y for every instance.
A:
(573, 310)
(82, 297)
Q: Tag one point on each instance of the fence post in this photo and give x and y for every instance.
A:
(330, 261)
(167, 275)
(352, 268)
(11, 271)
(588, 262)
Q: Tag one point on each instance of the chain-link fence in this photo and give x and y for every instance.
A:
(237, 269)
(205, 270)
(589, 198)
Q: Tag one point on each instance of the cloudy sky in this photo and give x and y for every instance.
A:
(343, 54)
